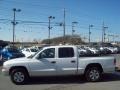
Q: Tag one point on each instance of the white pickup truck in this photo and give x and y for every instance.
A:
(58, 61)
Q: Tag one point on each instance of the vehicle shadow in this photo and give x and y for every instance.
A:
(111, 77)
(57, 80)
(72, 79)
(1, 63)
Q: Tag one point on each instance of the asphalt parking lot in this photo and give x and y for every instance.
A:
(109, 82)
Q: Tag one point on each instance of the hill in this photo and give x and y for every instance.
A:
(76, 40)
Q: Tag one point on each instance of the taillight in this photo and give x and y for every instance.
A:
(114, 61)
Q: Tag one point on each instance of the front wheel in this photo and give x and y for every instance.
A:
(93, 74)
(19, 76)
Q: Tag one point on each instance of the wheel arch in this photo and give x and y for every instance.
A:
(99, 66)
(18, 67)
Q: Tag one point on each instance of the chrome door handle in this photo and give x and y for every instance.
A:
(53, 62)
(73, 61)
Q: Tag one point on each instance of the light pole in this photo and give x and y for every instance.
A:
(90, 26)
(64, 23)
(14, 22)
(49, 27)
(104, 33)
(73, 25)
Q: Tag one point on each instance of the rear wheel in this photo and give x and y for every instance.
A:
(19, 76)
(93, 74)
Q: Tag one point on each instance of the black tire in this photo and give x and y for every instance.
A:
(19, 76)
(93, 74)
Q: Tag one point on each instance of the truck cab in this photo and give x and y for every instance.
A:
(55, 60)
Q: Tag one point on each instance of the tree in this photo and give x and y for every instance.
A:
(68, 39)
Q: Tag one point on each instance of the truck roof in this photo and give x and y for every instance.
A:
(61, 46)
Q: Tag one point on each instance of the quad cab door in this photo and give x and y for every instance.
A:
(44, 64)
(67, 61)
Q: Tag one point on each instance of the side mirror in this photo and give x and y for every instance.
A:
(39, 57)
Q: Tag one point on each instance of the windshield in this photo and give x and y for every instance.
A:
(31, 56)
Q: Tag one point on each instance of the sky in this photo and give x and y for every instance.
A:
(85, 12)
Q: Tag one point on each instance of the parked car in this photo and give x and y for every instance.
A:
(58, 61)
(0, 56)
(104, 51)
(84, 52)
(37, 47)
(118, 49)
(29, 51)
(114, 50)
(0, 50)
(94, 51)
(10, 53)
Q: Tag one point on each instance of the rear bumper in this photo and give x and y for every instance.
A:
(117, 69)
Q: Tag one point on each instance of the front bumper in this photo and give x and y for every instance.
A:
(5, 72)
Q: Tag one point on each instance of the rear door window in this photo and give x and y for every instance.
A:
(66, 52)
